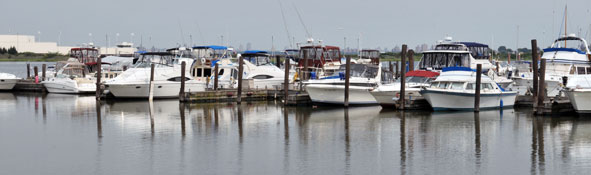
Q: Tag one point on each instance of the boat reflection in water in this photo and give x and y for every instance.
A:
(136, 137)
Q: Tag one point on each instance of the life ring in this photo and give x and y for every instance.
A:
(202, 60)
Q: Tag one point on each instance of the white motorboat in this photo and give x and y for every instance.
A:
(561, 61)
(7, 81)
(454, 90)
(387, 94)
(202, 69)
(578, 90)
(71, 78)
(135, 82)
(331, 90)
(321, 59)
(258, 67)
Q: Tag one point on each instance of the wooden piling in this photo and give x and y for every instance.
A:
(304, 75)
(402, 99)
(182, 91)
(390, 67)
(347, 74)
(508, 57)
(151, 93)
(534, 63)
(411, 60)
(36, 73)
(28, 70)
(397, 64)
(216, 74)
(98, 79)
(542, 86)
(497, 64)
(278, 61)
(477, 88)
(286, 82)
(240, 72)
(43, 69)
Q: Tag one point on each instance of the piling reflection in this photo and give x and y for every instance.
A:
(477, 143)
(99, 123)
(347, 143)
(182, 114)
(402, 142)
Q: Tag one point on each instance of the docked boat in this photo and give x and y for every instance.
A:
(207, 57)
(320, 59)
(454, 90)
(331, 90)
(135, 82)
(561, 61)
(388, 94)
(578, 90)
(71, 78)
(7, 81)
(258, 67)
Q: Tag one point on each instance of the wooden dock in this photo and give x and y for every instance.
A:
(29, 86)
(295, 97)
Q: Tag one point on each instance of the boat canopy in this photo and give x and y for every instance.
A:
(573, 44)
(256, 57)
(214, 47)
(361, 70)
(439, 60)
(422, 73)
(447, 69)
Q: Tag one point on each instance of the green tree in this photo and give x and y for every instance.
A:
(2, 51)
(12, 51)
(502, 49)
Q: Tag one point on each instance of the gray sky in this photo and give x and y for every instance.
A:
(383, 23)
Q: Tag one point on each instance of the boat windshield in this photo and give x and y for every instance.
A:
(258, 60)
(414, 79)
(210, 53)
(311, 52)
(72, 70)
(570, 43)
(159, 61)
(439, 60)
(361, 70)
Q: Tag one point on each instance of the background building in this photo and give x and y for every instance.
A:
(27, 43)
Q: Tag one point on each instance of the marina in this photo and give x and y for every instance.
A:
(313, 87)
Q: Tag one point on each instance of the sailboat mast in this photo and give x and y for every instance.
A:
(565, 18)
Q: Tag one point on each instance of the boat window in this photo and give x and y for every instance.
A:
(442, 85)
(588, 70)
(470, 86)
(178, 79)
(485, 86)
(221, 72)
(234, 74)
(457, 86)
(199, 73)
(262, 77)
(206, 72)
(360, 70)
(434, 85)
(580, 70)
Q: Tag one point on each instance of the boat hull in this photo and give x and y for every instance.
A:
(389, 98)
(335, 94)
(442, 100)
(7, 84)
(580, 100)
(161, 89)
(69, 87)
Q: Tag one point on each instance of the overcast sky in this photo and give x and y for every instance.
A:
(378, 23)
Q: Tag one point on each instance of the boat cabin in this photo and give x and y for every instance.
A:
(257, 57)
(455, 54)
(372, 55)
(318, 56)
(206, 57)
(159, 59)
(85, 55)
(69, 69)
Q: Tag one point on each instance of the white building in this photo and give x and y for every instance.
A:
(122, 49)
(27, 43)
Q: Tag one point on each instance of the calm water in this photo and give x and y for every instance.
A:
(67, 134)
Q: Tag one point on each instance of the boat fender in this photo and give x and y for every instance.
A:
(501, 103)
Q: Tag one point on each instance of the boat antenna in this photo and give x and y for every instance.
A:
(182, 36)
(302, 21)
(565, 23)
(285, 24)
(200, 32)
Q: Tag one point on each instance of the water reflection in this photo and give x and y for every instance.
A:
(138, 137)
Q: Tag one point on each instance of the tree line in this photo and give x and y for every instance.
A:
(11, 51)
